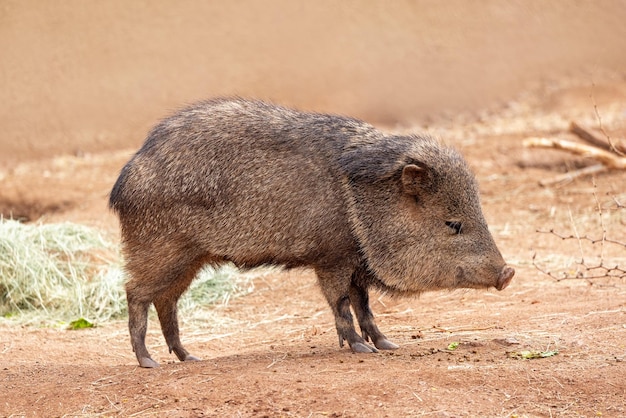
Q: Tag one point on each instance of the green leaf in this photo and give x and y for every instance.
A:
(453, 346)
(80, 323)
(549, 353)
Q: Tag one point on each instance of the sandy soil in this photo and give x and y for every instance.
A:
(274, 352)
(277, 354)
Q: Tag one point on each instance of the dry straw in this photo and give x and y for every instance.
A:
(57, 273)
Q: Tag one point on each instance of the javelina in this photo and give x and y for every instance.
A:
(242, 181)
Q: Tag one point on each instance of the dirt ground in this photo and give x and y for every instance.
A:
(277, 353)
(274, 352)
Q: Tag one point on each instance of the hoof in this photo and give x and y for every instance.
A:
(363, 348)
(189, 357)
(148, 363)
(385, 344)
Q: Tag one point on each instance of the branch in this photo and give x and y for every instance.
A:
(583, 272)
(572, 175)
(594, 139)
(607, 158)
(583, 238)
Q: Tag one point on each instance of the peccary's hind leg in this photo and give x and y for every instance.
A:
(157, 275)
(137, 325)
(359, 299)
(336, 286)
(166, 307)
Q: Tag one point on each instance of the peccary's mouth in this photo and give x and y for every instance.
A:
(505, 277)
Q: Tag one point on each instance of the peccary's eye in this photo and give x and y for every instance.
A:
(457, 227)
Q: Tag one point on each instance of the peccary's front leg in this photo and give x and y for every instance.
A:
(335, 285)
(359, 299)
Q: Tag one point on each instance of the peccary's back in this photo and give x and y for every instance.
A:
(244, 181)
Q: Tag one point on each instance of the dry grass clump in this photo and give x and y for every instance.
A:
(215, 286)
(57, 273)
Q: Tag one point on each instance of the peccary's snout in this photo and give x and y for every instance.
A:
(505, 277)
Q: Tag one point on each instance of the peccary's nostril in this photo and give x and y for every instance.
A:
(505, 277)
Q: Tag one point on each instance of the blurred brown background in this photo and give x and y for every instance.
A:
(82, 76)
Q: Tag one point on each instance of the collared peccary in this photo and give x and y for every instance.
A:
(243, 181)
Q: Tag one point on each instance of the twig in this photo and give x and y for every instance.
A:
(580, 244)
(592, 138)
(573, 175)
(601, 218)
(441, 329)
(582, 238)
(606, 272)
(275, 361)
(559, 383)
(607, 158)
(609, 154)
(583, 270)
(608, 138)
(413, 392)
(112, 403)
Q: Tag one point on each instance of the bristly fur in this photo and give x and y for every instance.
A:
(254, 183)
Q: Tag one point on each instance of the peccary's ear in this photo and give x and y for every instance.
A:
(416, 178)
(378, 161)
